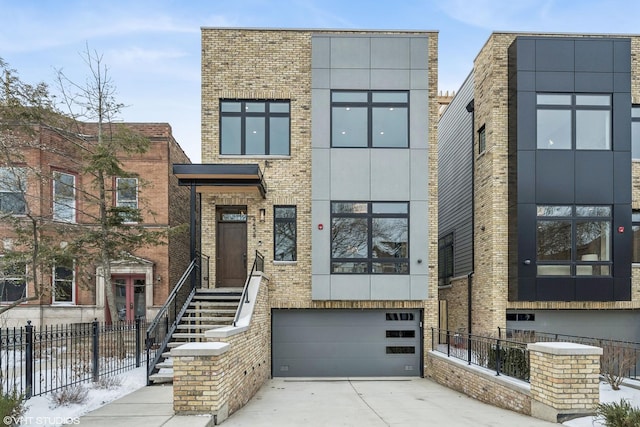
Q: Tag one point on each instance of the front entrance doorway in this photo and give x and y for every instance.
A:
(129, 291)
(231, 246)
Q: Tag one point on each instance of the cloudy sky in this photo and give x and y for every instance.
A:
(152, 47)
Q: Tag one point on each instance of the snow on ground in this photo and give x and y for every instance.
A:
(41, 408)
(607, 395)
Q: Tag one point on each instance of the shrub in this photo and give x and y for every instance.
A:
(621, 414)
(12, 405)
(69, 395)
(108, 383)
(616, 363)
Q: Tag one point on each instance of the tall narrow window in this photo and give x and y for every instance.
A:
(445, 259)
(635, 132)
(253, 127)
(284, 233)
(64, 283)
(370, 237)
(573, 121)
(64, 197)
(13, 187)
(127, 198)
(482, 142)
(378, 119)
(636, 237)
(13, 281)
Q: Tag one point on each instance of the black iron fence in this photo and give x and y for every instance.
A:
(505, 357)
(35, 361)
(622, 357)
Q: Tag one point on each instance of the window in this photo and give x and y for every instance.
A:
(445, 259)
(573, 240)
(12, 190)
(127, 198)
(370, 119)
(635, 132)
(636, 237)
(64, 197)
(13, 281)
(482, 142)
(573, 121)
(64, 283)
(284, 233)
(251, 127)
(370, 237)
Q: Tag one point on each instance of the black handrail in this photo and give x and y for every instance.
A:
(166, 321)
(258, 265)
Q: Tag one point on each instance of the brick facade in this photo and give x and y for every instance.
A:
(160, 199)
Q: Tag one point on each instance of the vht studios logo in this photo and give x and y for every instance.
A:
(34, 421)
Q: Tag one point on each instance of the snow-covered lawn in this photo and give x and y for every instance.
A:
(47, 414)
(606, 396)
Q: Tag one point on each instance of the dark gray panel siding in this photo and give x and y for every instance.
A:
(455, 151)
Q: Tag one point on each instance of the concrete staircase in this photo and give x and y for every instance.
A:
(209, 309)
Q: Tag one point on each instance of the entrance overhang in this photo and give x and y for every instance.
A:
(222, 178)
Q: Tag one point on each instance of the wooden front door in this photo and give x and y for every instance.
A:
(231, 249)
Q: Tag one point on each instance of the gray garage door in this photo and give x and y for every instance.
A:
(346, 343)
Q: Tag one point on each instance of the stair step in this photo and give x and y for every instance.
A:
(167, 364)
(208, 305)
(219, 290)
(161, 378)
(206, 319)
(187, 335)
(202, 327)
(209, 311)
(216, 297)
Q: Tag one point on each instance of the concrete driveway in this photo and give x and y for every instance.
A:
(370, 402)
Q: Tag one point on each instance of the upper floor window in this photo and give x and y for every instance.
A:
(13, 281)
(374, 119)
(284, 233)
(127, 197)
(370, 237)
(573, 240)
(482, 140)
(64, 197)
(13, 181)
(573, 121)
(635, 132)
(64, 283)
(251, 127)
(445, 259)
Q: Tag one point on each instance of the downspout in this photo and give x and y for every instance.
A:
(471, 109)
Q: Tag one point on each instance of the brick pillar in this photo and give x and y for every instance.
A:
(564, 380)
(199, 381)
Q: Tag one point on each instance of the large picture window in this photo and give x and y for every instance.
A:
(64, 197)
(573, 121)
(573, 240)
(370, 237)
(13, 182)
(64, 283)
(252, 127)
(378, 119)
(284, 233)
(13, 281)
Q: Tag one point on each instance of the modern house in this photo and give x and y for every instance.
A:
(319, 152)
(538, 188)
(56, 189)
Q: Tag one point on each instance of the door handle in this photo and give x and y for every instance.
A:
(244, 259)
(131, 305)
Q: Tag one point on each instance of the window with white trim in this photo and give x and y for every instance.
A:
(13, 182)
(13, 280)
(64, 280)
(127, 198)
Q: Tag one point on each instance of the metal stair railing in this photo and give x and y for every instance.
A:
(166, 321)
(258, 265)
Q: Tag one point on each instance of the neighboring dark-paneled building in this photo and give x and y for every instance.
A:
(552, 173)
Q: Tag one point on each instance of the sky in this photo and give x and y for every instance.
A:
(152, 47)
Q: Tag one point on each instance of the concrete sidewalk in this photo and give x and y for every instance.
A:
(148, 406)
(321, 402)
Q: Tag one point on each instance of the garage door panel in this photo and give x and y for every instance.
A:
(342, 343)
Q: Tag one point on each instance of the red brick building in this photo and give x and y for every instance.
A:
(61, 192)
